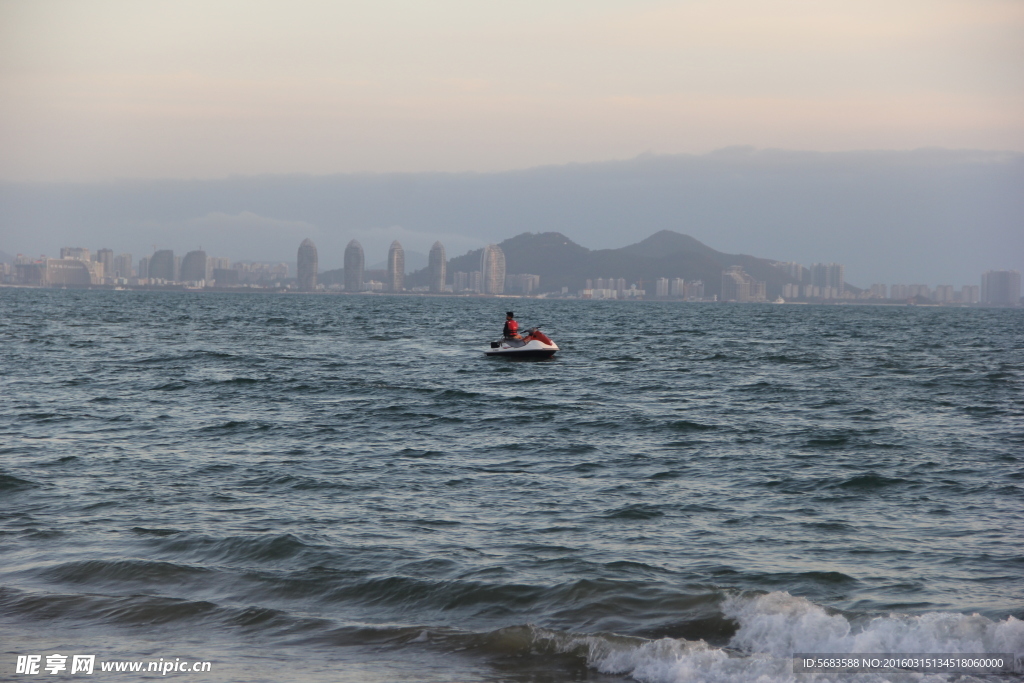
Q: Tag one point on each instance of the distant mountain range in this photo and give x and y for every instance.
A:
(560, 262)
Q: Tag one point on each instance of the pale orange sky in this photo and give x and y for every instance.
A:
(96, 90)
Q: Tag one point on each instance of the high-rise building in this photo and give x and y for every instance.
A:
(476, 281)
(193, 266)
(437, 266)
(738, 285)
(677, 287)
(72, 271)
(492, 265)
(460, 281)
(830, 275)
(161, 265)
(143, 267)
(661, 287)
(1001, 287)
(792, 269)
(970, 294)
(123, 265)
(522, 283)
(106, 257)
(307, 266)
(354, 267)
(29, 272)
(734, 285)
(396, 267)
(77, 253)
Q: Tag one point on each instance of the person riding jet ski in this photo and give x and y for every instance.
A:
(511, 330)
(535, 344)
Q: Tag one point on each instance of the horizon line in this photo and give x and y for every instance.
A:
(739, 151)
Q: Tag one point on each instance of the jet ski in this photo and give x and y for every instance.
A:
(534, 344)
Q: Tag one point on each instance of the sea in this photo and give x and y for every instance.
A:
(320, 488)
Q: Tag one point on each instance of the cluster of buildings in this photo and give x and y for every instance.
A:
(489, 279)
(738, 285)
(820, 282)
(664, 288)
(79, 267)
(610, 288)
(943, 294)
(355, 269)
(826, 281)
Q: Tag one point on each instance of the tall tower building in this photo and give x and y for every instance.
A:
(396, 267)
(354, 267)
(161, 265)
(123, 265)
(793, 269)
(193, 266)
(1000, 287)
(738, 285)
(106, 257)
(831, 275)
(437, 265)
(307, 266)
(492, 265)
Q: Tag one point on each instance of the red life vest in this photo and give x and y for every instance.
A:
(513, 327)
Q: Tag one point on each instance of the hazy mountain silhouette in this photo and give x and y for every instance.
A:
(929, 216)
(560, 262)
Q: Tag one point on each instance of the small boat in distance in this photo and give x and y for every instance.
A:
(534, 344)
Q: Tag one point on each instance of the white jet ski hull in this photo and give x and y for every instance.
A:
(532, 349)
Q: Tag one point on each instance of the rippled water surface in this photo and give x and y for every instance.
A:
(331, 488)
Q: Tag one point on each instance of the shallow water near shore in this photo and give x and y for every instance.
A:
(344, 488)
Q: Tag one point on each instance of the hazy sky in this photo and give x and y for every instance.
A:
(926, 216)
(98, 89)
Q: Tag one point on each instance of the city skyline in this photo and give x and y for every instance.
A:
(958, 212)
(822, 282)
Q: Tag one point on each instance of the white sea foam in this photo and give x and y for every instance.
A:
(774, 626)
(780, 624)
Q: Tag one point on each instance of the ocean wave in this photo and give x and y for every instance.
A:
(771, 628)
(750, 637)
(774, 626)
(779, 624)
(10, 483)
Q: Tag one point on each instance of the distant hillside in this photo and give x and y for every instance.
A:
(560, 262)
